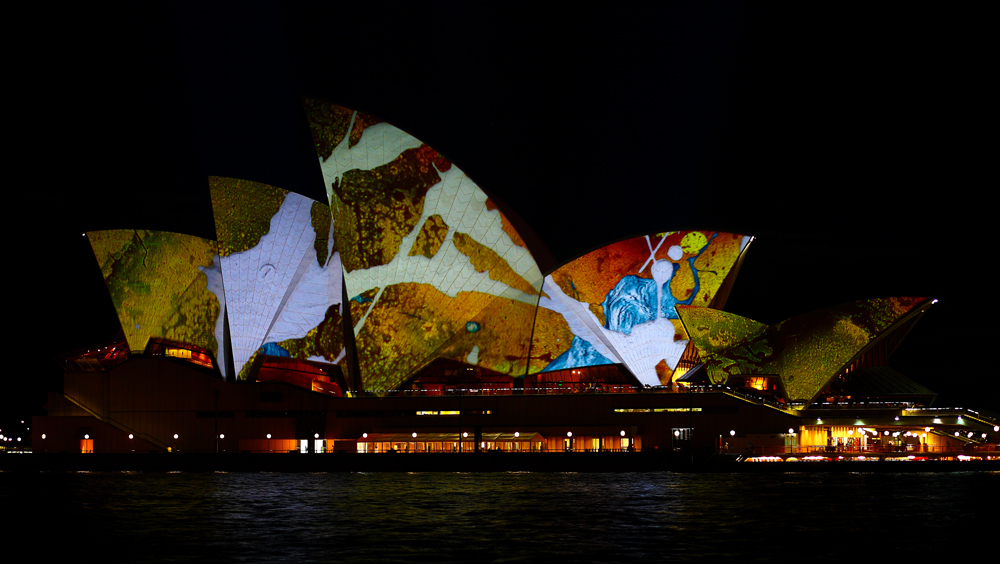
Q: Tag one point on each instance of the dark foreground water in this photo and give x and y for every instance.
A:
(502, 517)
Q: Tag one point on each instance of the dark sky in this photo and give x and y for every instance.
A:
(847, 140)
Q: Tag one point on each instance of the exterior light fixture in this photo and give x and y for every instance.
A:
(887, 433)
(363, 435)
(43, 436)
(465, 435)
(791, 431)
(130, 436)
(516, 434)
(676, 433)
(315, 435)
(969, 436)
(175, 436)
(414, 435)
(569, 433)
(897, 418)
(956, 433)
(88, 437)
(927, 429)
(269, 435)
(222, 435)
(996, 428)
(732, 433)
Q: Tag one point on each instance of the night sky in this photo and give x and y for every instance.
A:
(848, 141)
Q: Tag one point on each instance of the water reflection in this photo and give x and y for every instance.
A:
(502, 517)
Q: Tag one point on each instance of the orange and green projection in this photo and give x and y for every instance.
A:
(431, 269)
(619, 302)
(432, 266)
(806, 352)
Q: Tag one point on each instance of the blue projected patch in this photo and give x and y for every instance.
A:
(631, 302)
(274, 349)
(580, 353)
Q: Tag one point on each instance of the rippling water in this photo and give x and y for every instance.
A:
(503, 517)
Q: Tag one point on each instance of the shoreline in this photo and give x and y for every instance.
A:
(448, 462)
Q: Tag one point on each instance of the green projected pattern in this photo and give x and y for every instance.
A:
(805, 351)
(159, 284)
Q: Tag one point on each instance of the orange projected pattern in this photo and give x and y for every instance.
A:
(805, 351)
(432, 266)
(619, 301)
(159, 285)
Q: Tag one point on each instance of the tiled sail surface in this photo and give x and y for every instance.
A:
(806, 351)
(282, 276)
(163, 285)
(729, 344)
(432, 267)
(618, 303)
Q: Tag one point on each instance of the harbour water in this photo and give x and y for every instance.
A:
(500, 517)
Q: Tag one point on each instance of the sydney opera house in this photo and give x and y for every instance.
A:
(408, 313)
